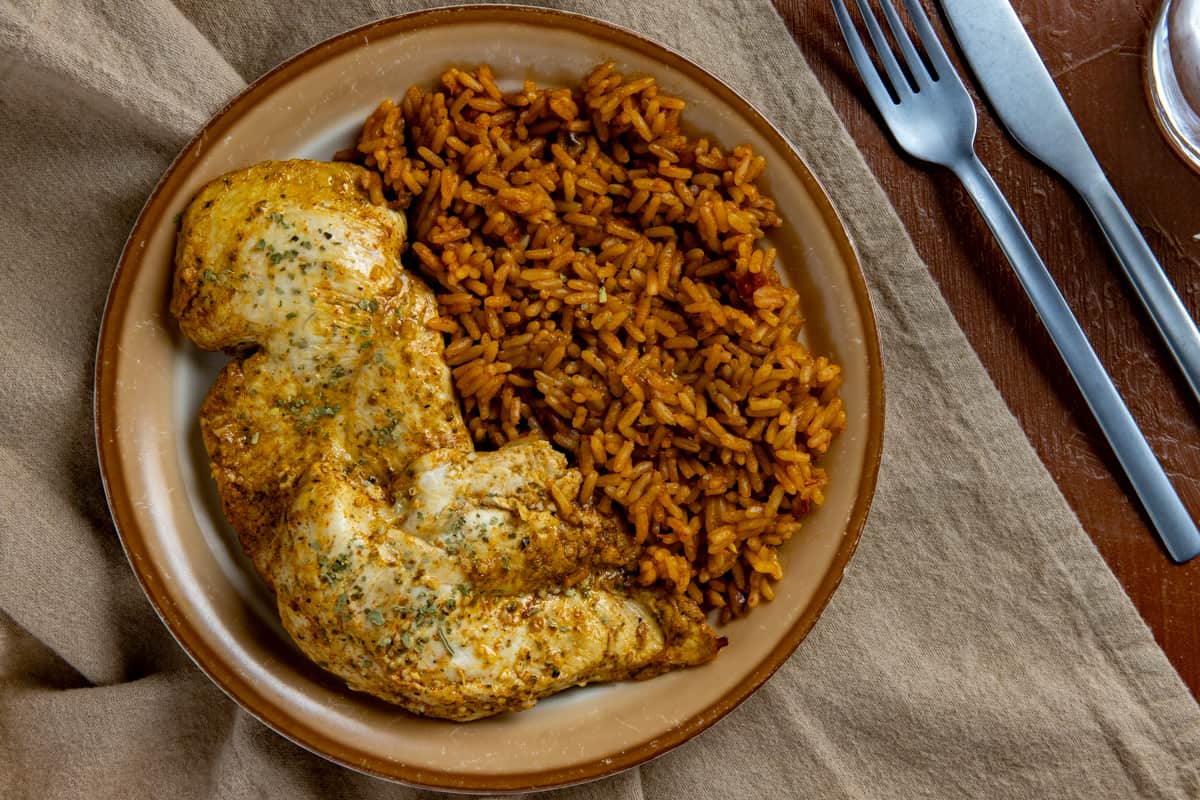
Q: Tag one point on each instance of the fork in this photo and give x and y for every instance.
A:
(932, 117)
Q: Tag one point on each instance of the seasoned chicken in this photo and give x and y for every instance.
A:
(453, 583)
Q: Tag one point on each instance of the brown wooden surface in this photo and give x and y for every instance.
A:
(1095, 50)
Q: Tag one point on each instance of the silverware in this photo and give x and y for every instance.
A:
(1026, 100)
(933, 119)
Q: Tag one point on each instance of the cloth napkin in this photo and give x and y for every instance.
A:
(978, 647)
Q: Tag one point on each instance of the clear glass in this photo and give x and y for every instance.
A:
(1173, 76)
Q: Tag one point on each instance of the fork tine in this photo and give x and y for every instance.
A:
(884, 50)
(916, 66)
(862, 59)
(942, 68)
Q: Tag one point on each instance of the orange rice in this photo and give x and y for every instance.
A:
(603, 282)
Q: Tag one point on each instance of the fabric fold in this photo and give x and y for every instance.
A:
(140, 64)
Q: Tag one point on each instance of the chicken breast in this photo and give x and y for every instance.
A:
(453, 583)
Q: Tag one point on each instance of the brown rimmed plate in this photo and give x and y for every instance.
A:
(149, 383)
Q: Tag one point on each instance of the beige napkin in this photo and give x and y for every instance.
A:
(978, 647)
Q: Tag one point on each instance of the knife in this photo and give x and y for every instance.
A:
(1024, 97)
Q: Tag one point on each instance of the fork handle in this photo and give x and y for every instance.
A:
(1167, 512)
(1153, 288)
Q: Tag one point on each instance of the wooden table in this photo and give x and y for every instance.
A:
(1095, 50)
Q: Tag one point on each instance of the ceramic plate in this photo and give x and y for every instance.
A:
(150, 381)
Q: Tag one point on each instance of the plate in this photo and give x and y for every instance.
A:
(149, 383)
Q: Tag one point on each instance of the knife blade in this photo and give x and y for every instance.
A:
(1024, 96)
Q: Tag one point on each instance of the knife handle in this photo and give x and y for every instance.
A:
(1167, 512)
(1153, 288)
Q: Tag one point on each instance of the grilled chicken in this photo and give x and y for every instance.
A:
(453, 583)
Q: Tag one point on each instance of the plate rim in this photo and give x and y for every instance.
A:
(242, 691)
